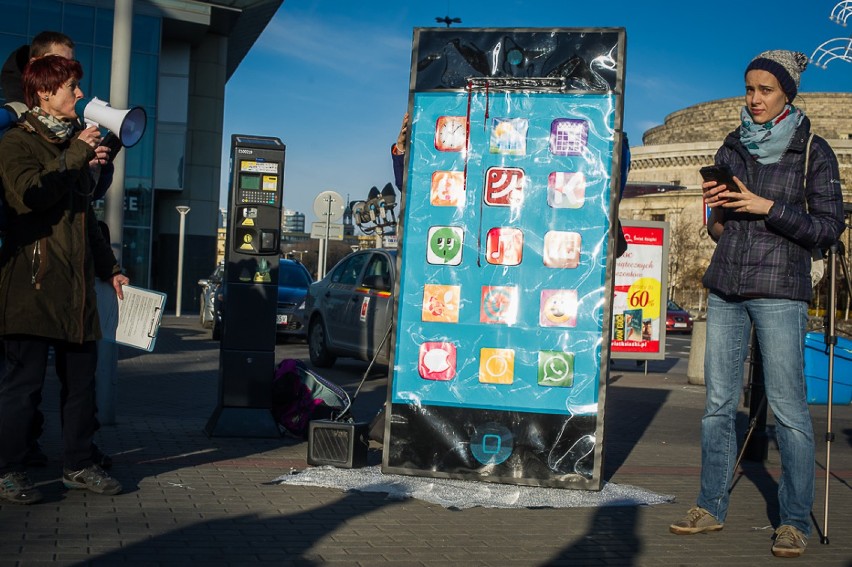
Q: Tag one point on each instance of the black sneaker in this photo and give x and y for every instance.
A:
(92, 478)
(16, 487)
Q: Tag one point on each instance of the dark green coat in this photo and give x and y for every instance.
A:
(53, 248)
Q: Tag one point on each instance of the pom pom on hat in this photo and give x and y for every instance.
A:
(786, 66)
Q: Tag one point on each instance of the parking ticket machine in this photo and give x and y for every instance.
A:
(252, 248)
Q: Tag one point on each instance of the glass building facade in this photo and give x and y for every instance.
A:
(182, 54)
(91, 28)
(292, 221)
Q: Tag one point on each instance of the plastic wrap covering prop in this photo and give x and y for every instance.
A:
(502, 327)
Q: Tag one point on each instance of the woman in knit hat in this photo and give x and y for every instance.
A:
(759, 275)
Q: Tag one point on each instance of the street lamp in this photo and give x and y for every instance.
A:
(182, 209)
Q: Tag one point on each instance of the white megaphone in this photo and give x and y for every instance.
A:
(128, 125)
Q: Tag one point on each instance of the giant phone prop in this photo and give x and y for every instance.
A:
(502, 322)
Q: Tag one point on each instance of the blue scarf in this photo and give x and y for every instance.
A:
(767, 142)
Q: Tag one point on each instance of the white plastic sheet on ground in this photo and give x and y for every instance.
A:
(462, 494)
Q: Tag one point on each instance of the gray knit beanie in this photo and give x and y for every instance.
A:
(787, 66)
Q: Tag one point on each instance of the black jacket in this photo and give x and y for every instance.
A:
(10, 75)
(769, 256)
(54, 248)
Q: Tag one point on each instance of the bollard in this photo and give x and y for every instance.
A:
(695, 367)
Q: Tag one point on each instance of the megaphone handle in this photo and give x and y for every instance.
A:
(112, 142)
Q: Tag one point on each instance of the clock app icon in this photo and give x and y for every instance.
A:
(451, 133)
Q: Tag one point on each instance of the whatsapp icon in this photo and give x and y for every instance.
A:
(555, 368)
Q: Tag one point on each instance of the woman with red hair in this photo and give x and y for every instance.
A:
(48, 263)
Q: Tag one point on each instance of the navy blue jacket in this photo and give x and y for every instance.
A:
(769, 256)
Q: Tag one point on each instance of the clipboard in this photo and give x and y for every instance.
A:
(139, 316)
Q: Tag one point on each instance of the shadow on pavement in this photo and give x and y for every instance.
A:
(163, 401)
(169, 339)
(596, 547)
(761, 478)
(277, 540)
(629, 413)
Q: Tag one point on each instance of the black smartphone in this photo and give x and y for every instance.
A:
(721, 174)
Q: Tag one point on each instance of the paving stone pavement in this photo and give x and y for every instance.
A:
(194, 500)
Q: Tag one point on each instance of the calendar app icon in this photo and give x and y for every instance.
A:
(568, 136)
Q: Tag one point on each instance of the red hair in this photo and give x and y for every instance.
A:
(48, 74)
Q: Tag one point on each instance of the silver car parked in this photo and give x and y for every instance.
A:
(349, 312)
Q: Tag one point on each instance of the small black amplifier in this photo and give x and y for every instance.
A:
(337, 443)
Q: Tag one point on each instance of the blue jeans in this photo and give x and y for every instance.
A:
(780, 328)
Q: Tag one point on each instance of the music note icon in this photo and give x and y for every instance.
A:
(504, 246)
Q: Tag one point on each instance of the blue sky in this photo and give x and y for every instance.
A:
(330, 77)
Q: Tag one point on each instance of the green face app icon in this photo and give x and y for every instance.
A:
(445, 245)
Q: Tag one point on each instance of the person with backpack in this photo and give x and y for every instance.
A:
(786, 201)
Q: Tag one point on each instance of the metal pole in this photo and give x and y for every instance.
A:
(321, 252)
(830, 341)
(323, 260)
(107, 367)
(182, 209)
(848, 295)
(328, 217)
(329, 199)
(119, 88)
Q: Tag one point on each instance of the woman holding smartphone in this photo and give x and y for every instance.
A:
(759, 275)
